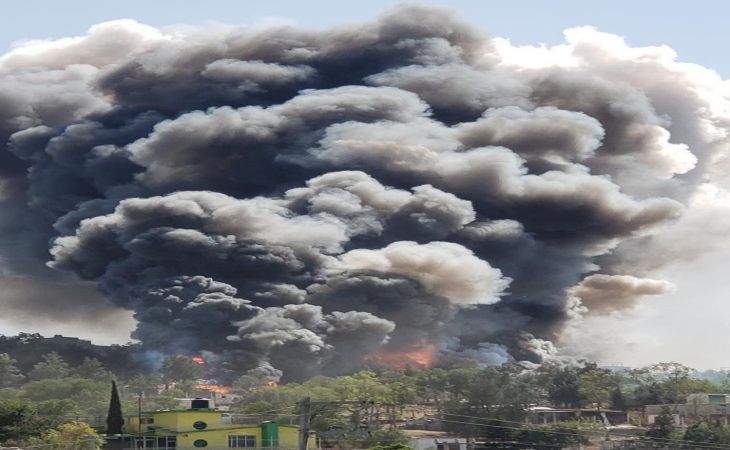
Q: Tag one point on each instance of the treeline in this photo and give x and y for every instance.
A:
(26, 348)
(502, 389)
(52, 392)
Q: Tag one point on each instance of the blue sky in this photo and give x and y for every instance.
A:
(697, 30)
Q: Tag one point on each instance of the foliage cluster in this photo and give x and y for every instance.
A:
(485, 401)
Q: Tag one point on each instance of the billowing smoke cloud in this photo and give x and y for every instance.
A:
(270, 193)
(602, 293)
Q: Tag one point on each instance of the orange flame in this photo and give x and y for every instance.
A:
(271, 383)
(420, 354)
(198, 360)
(217, 388)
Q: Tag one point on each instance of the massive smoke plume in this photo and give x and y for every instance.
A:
(304, 198)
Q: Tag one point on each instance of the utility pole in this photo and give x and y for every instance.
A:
(305, 416)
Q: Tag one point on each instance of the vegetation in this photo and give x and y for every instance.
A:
(708, 433)
(69, 436)
(115, 418)
(9, 373)
(489, 402)
(663, 426)
(557, 435)
(52, 367)
(390, 447)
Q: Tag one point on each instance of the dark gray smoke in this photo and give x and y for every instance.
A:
(278, 195)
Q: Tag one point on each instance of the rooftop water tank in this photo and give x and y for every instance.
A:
(200, 403)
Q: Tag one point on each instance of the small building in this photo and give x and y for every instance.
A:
(219, 401)
(699, 406)
(435, 440)
(547, 414)
(224, 400)
(204, 427)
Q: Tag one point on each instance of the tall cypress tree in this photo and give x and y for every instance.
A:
(115, 419)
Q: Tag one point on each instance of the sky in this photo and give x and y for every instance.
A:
(661, 328)
(696, 30)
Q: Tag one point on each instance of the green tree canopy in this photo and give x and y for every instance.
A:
(17, 420)
(114, 418)
(596, 385)
(52, 366)
(663, 426)
(563, 387)
(710, 433)
(91, 396)
(179, 369)
(93, 369)
(555, 435)
(71, 436)
(9, 373)
(145, 385)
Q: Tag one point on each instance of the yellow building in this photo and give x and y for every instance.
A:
(201, 427)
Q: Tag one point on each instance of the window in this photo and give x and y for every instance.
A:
(167, 442)
(241, 441)
(146, 420)
(145, 442)
(156, 443)
(200, 425)
(200, 443)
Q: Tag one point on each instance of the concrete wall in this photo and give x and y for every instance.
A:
(431, 443)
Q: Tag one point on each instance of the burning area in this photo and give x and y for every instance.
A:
(418, 355)
(305, 201)
(217, 388)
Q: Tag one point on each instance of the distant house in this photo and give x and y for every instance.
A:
(546, 414)
(219, 401)
(700, 406)
(435, 440)
(204, 427)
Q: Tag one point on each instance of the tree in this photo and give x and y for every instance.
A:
(21, 420)
(672, 374)
(564, 388)
(667, 382)
(596, 385)
(617, 399)
(555, 435)
(663, 425)
(179, 369)
(114, 419)
(93, 369)
(391, 447)
(460, 381)
(52, 413)
(9, 373)
(710, 433)
(52, 366)
(17, 420)
(90, 396)
(71, 436)
(142, 385)
(389, 438)
(432, 386)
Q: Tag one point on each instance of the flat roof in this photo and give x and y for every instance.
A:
(205, 410)
(427, 433)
